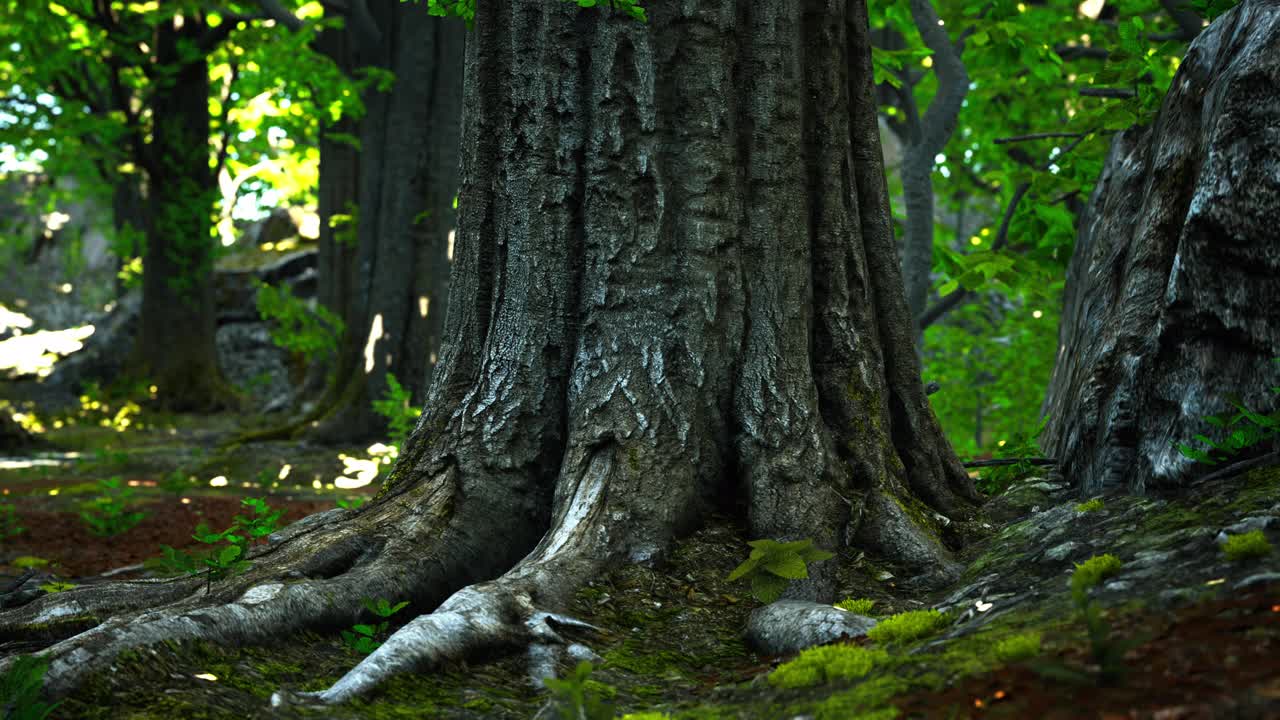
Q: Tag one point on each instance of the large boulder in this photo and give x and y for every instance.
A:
(1172, 302)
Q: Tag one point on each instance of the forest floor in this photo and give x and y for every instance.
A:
(1206, 631)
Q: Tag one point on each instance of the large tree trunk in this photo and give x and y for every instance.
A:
(175, 348)
(675, 289)
(1171, 295)
(408, 178)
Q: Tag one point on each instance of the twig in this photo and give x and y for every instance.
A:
(1242, 466)
(1108, 92)
(1037, 136)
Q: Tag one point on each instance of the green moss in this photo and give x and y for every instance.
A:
(866, 701)
(1259, 490)
(1175, 517)
(1018, 647)
(908, 626)
(646, 716)
(827, 663)
(1090, 506)
(1093, 571)
(1246, 546)
(861, 606)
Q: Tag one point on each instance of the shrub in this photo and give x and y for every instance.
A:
(827, 663)
(1246, 546)
(908, 626)
(1018, 647)
(106, 516)
(861, 606)
(773, 564)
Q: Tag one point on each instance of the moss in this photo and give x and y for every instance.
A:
(1259, 490)
(1018, 647)
(861, 606)
(1175, 517)
(825, 664)
(908, 626)
(1246, 546)
(868, 700)
(1093, 571)
(1093, 505)
(646, 716)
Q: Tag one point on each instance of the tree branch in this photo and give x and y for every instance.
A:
(1108, 92)
(1036, 136)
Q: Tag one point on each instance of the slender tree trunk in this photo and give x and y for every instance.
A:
(409, 174)
(675, 288)
(175, 347)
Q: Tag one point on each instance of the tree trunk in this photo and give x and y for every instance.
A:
(675, 289)
(1171, 292)
(408, 178)
(175, 349)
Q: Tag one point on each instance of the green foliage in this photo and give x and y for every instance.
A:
(826, 664)
(396, 408)
(226, 555)
(57, 586)
(1246, 546)
(1021, 446)
(772, 565)
(1014, 648)
(296, 327)
(177, 482)
(573, 698)
(1092, 572)
(466, 9)
(362, 638)
(908, 626)
(1211, 9)
(861, 606)
(20, 689)
(1090, 506)
(9, 526)
(107, 516)
(352, 504)
(1244, 429)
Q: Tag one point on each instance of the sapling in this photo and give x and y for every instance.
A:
(106, 516)
(9, 526)
(362, 638)
(773, 564)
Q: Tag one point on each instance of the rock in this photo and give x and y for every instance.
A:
(1058, 553)
(1263, 578)
(787, 626)
(252, 362)
(1174, 266)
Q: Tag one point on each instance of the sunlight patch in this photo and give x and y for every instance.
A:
(36, 353)
(375, 333)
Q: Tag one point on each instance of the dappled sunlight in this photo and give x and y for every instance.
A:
(37, 352)
(358, 472)
(375, 334)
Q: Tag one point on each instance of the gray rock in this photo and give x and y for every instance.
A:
(1257, 579)
(1058, 553)
(788, 626)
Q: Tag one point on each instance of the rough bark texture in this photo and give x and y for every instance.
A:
(675, 288)
(408, 175)
(175, 348)
(1173, 285)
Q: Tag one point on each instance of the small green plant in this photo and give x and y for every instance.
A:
(1107, 651)
(352, 504)
(573, 698)
(908, 626)
(363, 638)
(108, 515)
(1014, 648)
(1244, 429)
(176, 483)
(861, 606)
(773, 564)
(296, 327)
(262, 523)
(9, 527)
(58, 586)
(396, 407)
(1021, 446)
(825, 664)
(219, 562)
(1090, 506)
(20, 690)
(1246, 546)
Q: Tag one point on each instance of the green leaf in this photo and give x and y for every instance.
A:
(766, 587)
(787, 565)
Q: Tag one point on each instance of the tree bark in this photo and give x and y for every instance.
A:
(675, 289)
(175, 348)
(1171, 292)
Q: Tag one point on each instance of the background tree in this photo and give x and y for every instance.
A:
(675, 289)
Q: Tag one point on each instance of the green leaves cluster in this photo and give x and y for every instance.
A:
(574, 699)
(396, 406)
(1243, 429)
(9, 526)
(228, 547)
(466, 9)
(363, 638)
(108, 515)
(297, 327)
(20, 690)
(773, 564)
